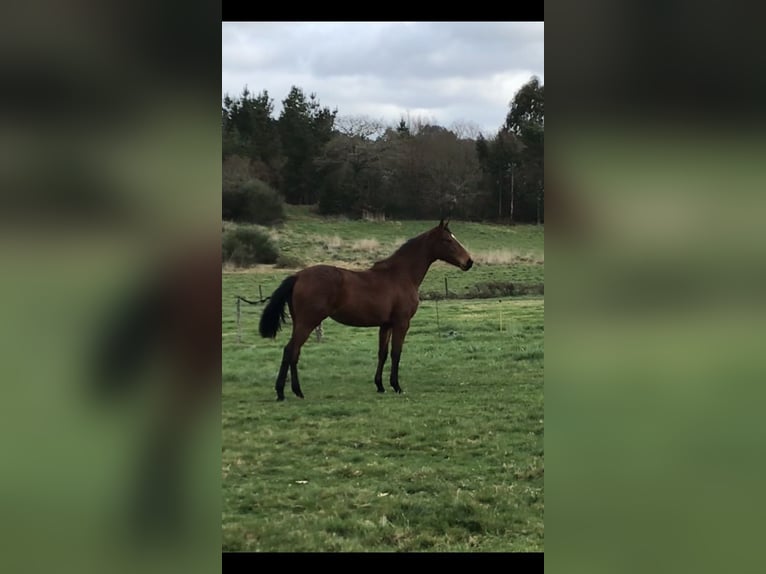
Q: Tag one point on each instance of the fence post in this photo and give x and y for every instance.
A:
(446, 291)
(260, 292)
(239, 337)
(438, 328)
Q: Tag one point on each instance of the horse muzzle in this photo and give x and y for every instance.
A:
(467, 265)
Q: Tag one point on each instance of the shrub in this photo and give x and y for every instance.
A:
(245, 246)
(490, 290)
(253, 202)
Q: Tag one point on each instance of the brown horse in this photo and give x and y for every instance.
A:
(384, 296)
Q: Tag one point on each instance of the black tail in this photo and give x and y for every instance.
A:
(274, 314)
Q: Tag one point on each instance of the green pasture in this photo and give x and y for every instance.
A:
(453, 464)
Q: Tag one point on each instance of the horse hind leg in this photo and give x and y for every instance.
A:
(282, 376)
(301, 333)
(294, 383)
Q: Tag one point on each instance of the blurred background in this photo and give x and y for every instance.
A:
(655, 252)
(110, 293)
(109, 199)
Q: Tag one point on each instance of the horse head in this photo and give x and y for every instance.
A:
(447, 248)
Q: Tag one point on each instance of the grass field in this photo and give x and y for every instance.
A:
(453, 464)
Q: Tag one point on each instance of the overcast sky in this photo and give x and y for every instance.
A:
(443, 72)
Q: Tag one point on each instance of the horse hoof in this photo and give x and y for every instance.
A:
(381, 390)
(279, 399)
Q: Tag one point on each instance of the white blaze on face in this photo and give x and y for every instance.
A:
(455, 238)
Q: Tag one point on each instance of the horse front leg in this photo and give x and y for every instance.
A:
(397, 341)
(384, 336)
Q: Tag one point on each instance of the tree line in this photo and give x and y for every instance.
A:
(356, 165)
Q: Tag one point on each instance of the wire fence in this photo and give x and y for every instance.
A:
(506, 291)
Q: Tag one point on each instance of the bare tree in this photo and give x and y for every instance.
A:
(361, 126)
(465, 130)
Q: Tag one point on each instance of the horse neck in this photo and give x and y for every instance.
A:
(413, 261)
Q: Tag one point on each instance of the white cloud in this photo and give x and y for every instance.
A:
(443, 71)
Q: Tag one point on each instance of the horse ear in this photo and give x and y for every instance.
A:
(441, 223)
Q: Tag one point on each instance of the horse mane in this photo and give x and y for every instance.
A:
(391, 259)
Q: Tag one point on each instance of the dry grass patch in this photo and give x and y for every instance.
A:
(333, 242)
(507, 257)
(365, 245)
